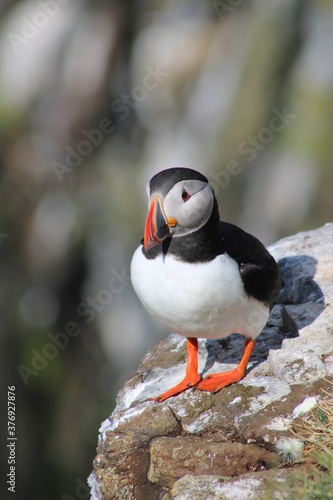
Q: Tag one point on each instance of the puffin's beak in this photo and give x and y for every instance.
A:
(158, 225)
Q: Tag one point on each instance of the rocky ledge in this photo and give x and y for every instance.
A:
(199, 445)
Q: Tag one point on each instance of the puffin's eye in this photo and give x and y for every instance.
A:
(185, 195)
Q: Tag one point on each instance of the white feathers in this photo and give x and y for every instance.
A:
(290, 449)
(197, 300)
(193, 213)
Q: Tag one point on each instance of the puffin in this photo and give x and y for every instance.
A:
(199, 276)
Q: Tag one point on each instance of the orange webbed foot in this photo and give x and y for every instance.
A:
(185, 384)
(213, 383)
(192, 377)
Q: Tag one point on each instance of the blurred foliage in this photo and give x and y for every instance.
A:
(95, 97)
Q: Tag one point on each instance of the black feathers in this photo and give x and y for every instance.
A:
(259, 271)
(163, 181)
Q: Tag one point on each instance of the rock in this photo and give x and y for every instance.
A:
(248, 486)
(171, 458)
(199, 445)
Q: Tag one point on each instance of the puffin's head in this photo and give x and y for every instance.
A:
(180, 202)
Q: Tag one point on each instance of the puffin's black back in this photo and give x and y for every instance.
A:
(259, 271)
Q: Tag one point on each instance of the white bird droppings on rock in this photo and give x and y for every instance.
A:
(235, 401)
(304, 407)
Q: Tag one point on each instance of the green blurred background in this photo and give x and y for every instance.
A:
(96, 97)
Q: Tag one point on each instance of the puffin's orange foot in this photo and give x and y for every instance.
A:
(177, 389)
(192, 377)
(213, 383)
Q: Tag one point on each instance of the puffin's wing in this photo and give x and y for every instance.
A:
(259, 271)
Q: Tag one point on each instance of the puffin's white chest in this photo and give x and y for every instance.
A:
(197, 300)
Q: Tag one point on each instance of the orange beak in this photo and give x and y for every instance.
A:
(157, 226)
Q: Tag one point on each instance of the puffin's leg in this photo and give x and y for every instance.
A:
(192, 376)
(215, 382)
